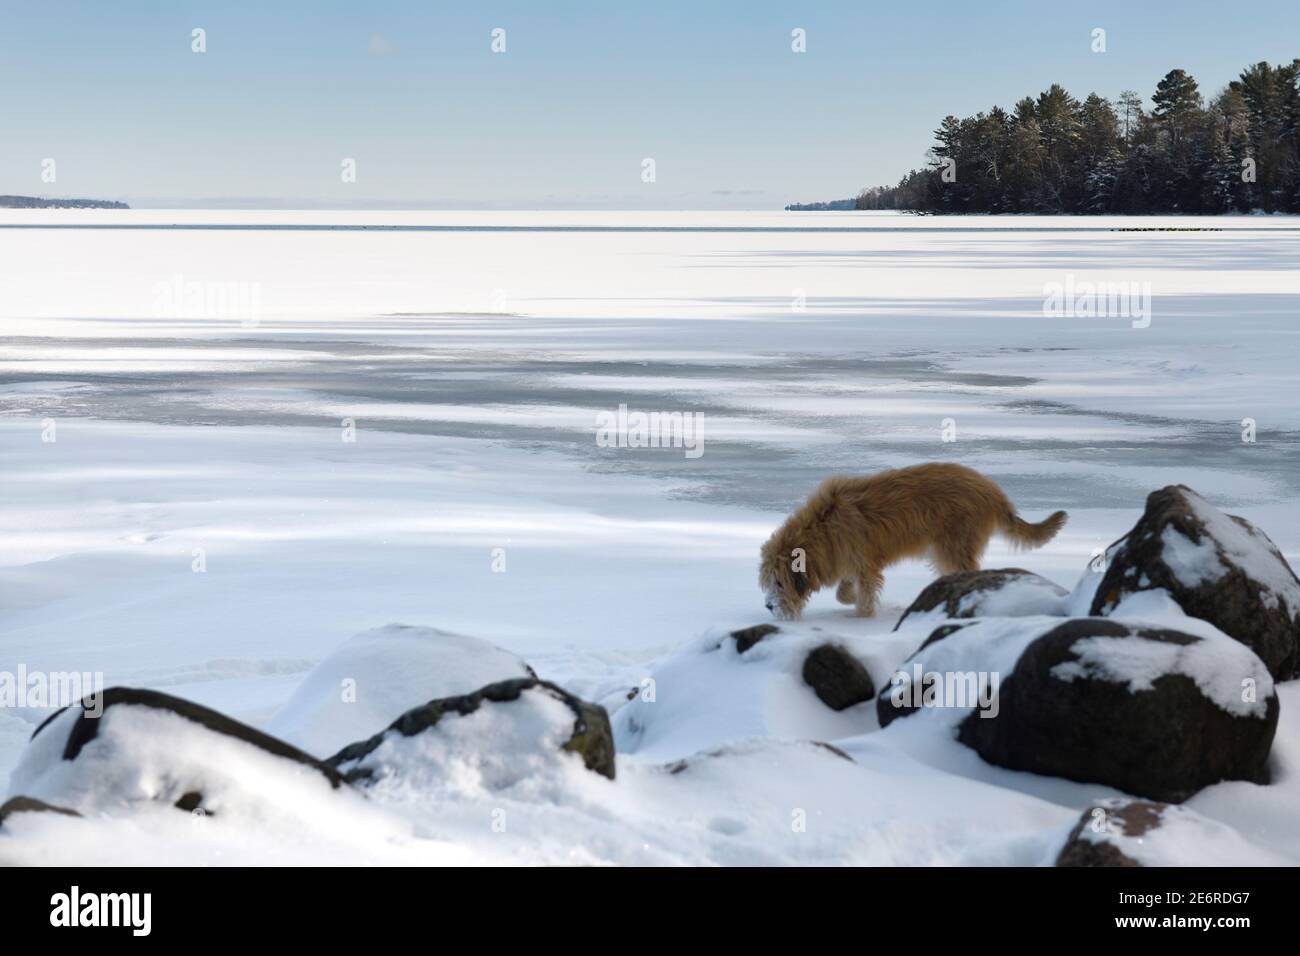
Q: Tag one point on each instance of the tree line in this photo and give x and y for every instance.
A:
(1238, 152)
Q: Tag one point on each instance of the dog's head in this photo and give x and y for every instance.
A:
(783, 576)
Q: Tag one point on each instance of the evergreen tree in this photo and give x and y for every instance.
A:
(1055, 154)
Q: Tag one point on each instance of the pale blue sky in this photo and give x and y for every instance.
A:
(585, 91)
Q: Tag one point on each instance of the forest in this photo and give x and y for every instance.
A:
(1055, 154)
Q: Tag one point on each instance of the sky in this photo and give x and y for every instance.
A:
(566, 116)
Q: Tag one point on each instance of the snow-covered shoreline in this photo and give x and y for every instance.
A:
(474, 421)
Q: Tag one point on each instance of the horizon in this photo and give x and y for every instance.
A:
(734, 119)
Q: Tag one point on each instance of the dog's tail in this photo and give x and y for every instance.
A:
(1027, 535)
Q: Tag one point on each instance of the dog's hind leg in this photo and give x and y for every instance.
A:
(959, 554)
(846, 593)
(868, 588)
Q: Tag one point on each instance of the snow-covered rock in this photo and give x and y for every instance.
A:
(800, 680)
(991, 592)
(149, 750)
(499, 735)
(1145, 708)
(1217, 567)
(1129, 833)
(378, 675)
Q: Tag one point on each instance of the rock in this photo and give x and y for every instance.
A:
(831, 748)
(420, 741)
(749, 636)
(939, 633)
(1154, 712)
(1216, 567)
(1093, 841)
(710, 692)
(753, 745)
(378, 675)
(1001, 592)
(28, 805)
(837, 677)
(148, 747)
(890, 706)
(1132, 833)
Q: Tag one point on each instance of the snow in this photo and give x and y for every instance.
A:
(522, 737)
(1182, 837)
(1220, 667)
(475, 417)
(709, 693)
(143, 757)
(377, 676)
(1227, 544)
(1192, 562)
(1019, 596)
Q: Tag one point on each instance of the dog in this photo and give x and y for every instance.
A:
(852, 528)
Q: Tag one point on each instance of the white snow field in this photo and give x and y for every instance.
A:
(225, 452)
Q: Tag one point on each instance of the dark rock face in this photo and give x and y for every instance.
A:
(592, 737)
(1164, 742)
(888, 709)
(1217, 567)
(86, 728)
(1130, 818)
(28, 805)
(837, 677)
(965, 593)
(747, 637)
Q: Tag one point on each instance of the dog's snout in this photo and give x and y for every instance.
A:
(770, 606)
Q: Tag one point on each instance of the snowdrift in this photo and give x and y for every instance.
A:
(1005, 721)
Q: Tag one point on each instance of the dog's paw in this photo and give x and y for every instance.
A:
(846, 593)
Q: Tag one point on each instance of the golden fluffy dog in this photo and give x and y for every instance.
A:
(851, 529)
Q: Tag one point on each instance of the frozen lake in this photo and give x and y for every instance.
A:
(202, 385)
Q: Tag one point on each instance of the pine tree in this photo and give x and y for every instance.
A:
(1054, 154)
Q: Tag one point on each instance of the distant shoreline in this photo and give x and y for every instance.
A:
(36, 202)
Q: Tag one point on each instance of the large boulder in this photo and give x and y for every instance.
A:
(1216, 567)
(498, 734)
(127, 748)
(1150, 710)
(993, 592)
(378, 675)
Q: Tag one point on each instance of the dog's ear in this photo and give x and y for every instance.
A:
(800, 579)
